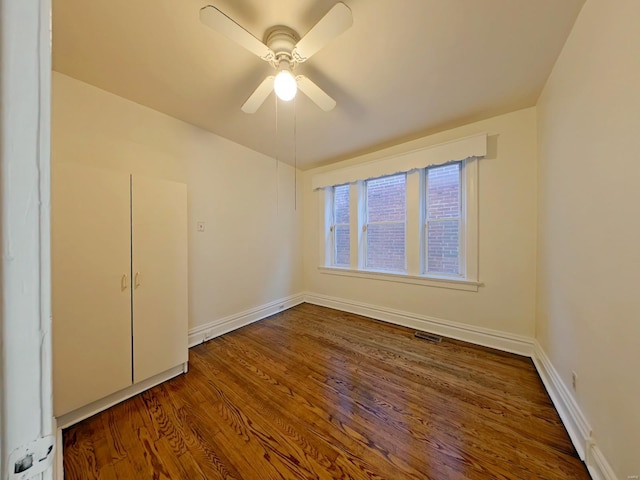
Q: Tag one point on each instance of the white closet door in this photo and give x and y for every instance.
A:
(91, 266)
(159, 229)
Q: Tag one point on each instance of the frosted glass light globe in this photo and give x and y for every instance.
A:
(285, 85)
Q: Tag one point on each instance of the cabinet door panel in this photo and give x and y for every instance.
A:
(159, 227)
(91, 260)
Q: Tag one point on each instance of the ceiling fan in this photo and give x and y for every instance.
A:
(283, 49)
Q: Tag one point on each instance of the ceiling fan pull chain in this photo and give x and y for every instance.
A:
(295, 155)
(277, 163)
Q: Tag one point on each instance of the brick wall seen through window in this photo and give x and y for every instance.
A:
(386, 215)
(341, 226)
(443, 219)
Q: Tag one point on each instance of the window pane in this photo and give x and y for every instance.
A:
(385, 246)
(443, 191)
(386, 199)
(341, 204)
(443, 247)
(343, 238)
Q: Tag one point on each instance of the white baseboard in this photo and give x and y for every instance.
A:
(507, 342)
(598, 466)
(98, 406)
(227, 324)
(574, 420)
(572, 417)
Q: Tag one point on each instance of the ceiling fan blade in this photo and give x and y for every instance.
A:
(258, 97)
(218, 21)
(315, 93)
(336, 21)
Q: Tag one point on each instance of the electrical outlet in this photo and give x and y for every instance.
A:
(574, 380)
(201, 226)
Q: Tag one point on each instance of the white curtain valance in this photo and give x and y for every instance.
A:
(456, 150)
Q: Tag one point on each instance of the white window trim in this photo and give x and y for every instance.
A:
(470, 214)
(325, 208)
(439, 154)
(430, 281)
(414, 232)
(333, 224)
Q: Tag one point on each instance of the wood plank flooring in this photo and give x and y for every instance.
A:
(314, 393)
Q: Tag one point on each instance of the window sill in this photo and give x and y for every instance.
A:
(439, 282)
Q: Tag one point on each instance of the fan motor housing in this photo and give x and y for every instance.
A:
(281, 39)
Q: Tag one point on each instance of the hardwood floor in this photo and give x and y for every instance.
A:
(314, 393)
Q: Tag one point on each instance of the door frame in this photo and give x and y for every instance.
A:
(25, 132)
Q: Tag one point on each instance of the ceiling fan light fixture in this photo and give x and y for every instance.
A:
(285, 85)
(284, 49)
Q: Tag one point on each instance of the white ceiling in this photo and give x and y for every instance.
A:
(406, 68)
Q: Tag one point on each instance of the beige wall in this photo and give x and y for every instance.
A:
(588, 317)
(250, 251)
(507, 226)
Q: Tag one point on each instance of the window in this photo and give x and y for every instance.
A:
(443, 220)
(386, 223)
(341, 226)
(411, 218)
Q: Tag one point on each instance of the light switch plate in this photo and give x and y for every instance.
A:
(201, 226)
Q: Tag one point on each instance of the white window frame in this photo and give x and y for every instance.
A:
(334, 224)
(414, 234)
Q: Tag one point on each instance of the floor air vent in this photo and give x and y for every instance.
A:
(428, 336)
